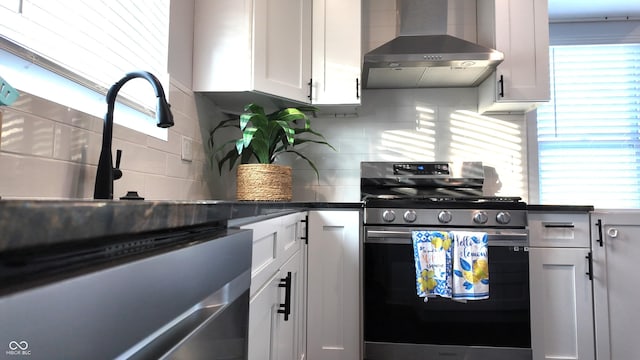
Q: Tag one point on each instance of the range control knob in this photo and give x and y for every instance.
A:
(388, 215)
(480, 217)
(445, 217)
(503, 217)
(410, 216)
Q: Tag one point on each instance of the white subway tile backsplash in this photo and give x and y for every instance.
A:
(338, 177)
(26, 134)
(382, 4)
(337, 193)
(176, 167)
(51, 151)
(304, 193)
(411, 125)
(33, 177)
(130, 181)
(172, 145)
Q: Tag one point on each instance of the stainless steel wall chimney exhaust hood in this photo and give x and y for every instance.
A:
(423, 56)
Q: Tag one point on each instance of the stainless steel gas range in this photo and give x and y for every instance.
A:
(403, 197)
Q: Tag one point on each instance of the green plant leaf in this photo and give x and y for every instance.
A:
(289, 133)
(313, 166)
(322, 142)
(254, 108)
(245, 141)
(265, 136)
(261, 150)
(231, 156)
(233, 122)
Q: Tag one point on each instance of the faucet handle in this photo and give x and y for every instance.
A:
(117, 173)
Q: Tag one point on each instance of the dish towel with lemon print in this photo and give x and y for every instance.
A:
(470, 278)
(432, 253)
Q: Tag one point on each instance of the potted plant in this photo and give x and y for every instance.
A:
(263, 137)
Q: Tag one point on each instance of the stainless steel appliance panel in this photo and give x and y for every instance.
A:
(124, 309)
(400, 325)
(401, 197)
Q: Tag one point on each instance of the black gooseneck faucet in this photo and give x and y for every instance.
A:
(106, 173)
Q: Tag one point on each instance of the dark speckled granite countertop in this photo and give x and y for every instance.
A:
(560, 208)
(29, 223)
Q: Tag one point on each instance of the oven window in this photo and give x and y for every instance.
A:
(394, 313)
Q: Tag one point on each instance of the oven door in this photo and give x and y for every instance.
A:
(400, 325)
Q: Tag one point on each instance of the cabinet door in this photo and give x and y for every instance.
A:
(222, 46)
(337, 61)
(616, 250)
(561, 304)
(263, 321)
(271, 334)
(291, 329)
(522, 34)
(334, 297)
(282, 48)
(520, 30)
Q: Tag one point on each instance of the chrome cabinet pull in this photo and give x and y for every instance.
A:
(612, 232)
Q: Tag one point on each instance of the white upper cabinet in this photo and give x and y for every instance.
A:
(261, 45)
(336, 52)
(257, 50)
(520, 30)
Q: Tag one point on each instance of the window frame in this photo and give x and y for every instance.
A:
(575, 33)
(32, 73)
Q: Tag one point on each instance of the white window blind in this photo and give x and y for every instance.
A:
(94, 43)
(589, 133)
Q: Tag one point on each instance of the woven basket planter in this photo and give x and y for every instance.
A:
(264, 182)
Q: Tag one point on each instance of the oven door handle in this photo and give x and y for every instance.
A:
(496, 238)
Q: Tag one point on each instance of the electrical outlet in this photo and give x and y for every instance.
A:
(187, 149)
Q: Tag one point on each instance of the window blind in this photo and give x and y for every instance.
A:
(94, 43)
(589, 133)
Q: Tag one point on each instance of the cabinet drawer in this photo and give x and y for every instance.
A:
(274, 242)
(559, 229)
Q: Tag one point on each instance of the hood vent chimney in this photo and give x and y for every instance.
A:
(424, 56)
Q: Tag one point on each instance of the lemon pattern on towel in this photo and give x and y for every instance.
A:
(432, 252)
(470, 265)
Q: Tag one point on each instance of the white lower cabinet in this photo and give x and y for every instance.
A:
(275, 315)
(334, 297)
(562, 325)
(561, 304)
(616, 250)
(277, 305)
